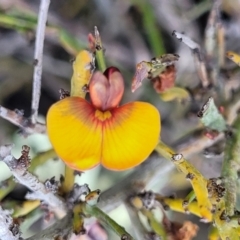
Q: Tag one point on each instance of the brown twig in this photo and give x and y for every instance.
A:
(198, 55)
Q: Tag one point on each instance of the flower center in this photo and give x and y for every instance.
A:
(102, 116)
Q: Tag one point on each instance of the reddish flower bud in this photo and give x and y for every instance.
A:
(106, 90)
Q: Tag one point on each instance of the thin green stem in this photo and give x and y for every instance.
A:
(41, 158)
(150, 26)
(231, 166)
(23, 21)
(99, 51)
(16, 23)
(5, 190)
(198, 9)
(69, 42)
(190, 197)
(213, 233)
(78, 221)
(69, 178)
(106, 220)
(155, 225)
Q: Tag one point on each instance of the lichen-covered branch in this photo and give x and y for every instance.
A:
(16, 117)
(38, 160)
(18, 167)
(38, 58)
(8, 229)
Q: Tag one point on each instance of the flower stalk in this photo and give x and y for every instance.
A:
(231, 167)
(199, 183)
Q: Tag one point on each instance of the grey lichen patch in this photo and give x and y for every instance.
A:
(52, 185)
(125, 237)
(216, 189)
(148, 199)
(190, 176)
(177, 157)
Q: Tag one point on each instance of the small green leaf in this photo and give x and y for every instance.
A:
(211, 117)
(174, 93)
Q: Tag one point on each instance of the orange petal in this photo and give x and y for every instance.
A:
(130, 135)
(75, 133)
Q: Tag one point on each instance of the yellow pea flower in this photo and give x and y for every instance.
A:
(85, 134)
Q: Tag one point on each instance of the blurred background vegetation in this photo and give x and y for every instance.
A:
(131, 31)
